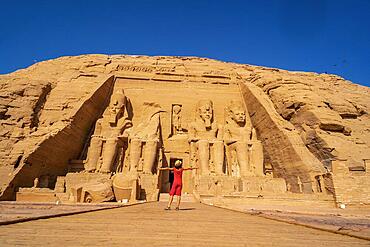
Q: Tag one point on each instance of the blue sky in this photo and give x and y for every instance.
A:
(322, 36)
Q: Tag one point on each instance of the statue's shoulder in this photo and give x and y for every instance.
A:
(196, 124)
(192, 124)
(217, 125)
(227, 126)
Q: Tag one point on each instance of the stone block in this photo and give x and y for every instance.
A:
(227, 185)
(36, 196)
(339, 168)
(149, 187)
(264, 185)
(89, 187)
(60, 185)
(206, 185)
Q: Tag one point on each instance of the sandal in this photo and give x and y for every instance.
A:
(167, 208)
(177, 208)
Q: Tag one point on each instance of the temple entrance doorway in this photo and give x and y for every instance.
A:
(167, 177)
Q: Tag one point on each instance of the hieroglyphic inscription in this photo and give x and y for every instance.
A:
(216, 74)
(165, 69)
(133, 68)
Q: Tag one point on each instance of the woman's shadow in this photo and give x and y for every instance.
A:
(185, 209)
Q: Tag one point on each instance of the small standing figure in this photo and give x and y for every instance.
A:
(177, 182)
(36, 183)
(176, 120)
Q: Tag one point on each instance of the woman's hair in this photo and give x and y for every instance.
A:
(178, 164)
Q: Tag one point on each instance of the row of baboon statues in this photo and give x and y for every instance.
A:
(118, 146)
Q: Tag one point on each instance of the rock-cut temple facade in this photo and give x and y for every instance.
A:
(97, 128)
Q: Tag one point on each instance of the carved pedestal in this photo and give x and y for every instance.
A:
(216, 185)
(89, 187)
(36, 195)
(125, 187)
(148, 187)
(263, 185)
(256, 158)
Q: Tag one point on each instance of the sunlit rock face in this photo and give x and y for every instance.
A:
(97, 127)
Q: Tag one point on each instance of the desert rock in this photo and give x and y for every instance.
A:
(314, 128)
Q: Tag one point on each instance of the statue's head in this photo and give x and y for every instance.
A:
(176, 109)
(118, 101)
(205, 111)
(237, 112)
(117, 105)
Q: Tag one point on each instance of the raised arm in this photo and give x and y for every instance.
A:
(165, 168)
(190, 168)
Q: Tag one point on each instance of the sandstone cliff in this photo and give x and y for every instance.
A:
(305, 120)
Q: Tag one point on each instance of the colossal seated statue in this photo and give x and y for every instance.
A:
(205, 138)
(110, 134)
(243, 151)
(144, 140)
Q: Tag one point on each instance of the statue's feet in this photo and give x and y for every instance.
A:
(88, 171)
(249, 174)
(104, 172)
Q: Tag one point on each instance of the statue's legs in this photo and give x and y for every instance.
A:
(109, 154)
(121, 150)
(150, 155)
(256, 158)
(93, 153)
(229, 160)
(203, 152)
(135, 154)
(242, 156)
(193, 154)
(125, 161)
(218, 154)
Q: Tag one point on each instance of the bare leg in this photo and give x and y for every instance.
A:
(170, 202)
(178, 202)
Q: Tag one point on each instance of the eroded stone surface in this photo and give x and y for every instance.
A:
(303, 121)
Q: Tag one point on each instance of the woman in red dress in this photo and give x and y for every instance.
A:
(177, 182)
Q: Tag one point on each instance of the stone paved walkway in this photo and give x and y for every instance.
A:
(353, 221)
(149, 225)
(11, 212)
